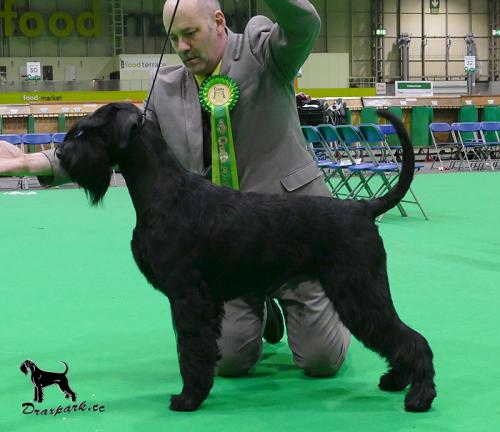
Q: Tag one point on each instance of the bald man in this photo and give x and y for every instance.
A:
(269, 150)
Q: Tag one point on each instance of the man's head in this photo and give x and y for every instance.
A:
(198, 34)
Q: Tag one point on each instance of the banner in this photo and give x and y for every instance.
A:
(32, 23)
(90, 96)
(135, 63)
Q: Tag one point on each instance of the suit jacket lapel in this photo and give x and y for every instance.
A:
(192, 115)
(232, 52)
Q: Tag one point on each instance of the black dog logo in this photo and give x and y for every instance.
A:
(41, 379)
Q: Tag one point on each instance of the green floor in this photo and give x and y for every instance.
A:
(70, 291)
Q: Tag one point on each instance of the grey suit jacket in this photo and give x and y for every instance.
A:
(264, 60)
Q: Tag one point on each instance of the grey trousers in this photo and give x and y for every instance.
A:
(316, 336)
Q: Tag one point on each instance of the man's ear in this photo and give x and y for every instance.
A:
(220, 21)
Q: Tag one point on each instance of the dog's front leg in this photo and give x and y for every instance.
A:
(197, 321)
(38, 394)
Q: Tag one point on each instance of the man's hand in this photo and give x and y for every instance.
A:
(13, 162)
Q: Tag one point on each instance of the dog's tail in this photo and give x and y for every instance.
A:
(64, 363)
(379, 206)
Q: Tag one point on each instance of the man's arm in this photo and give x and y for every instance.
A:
(13, 162)
(292, 39)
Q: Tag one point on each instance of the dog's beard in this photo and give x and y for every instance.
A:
(87, 163)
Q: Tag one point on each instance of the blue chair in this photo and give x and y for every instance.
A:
(442, 145)
(345, 161)
(490, 133)
(58, 137)
(389, 131)
(376, 138)
(351, 142)
(323, 153)
(38, 139)
(12, 139)
(373, 168)
(468, 136)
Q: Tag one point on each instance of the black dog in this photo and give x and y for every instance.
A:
(201, 245)
(41, 379)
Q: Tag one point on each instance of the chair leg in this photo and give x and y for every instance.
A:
(363, 184)
(344, 182)
(417, 202)
(23, 183)
(386, 187)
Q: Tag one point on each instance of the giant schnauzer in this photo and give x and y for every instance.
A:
(202, 244)
(41, 379)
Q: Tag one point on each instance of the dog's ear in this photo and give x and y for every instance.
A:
(126, 123)
(115, 120)
(99, 119)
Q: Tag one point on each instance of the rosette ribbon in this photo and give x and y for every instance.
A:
(218, 96)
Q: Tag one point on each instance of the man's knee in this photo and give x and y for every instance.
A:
(324, 362)
(322, 365)
(238, 356)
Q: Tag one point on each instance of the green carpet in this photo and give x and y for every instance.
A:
(71, 292)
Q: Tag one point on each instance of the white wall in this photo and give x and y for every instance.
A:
(456, 23)
(87, 68)
(325, 71)
(347, 28)
(319, 70)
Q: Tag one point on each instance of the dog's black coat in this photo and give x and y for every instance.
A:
(41, 379)
(202, 244)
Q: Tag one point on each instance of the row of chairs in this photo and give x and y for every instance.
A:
(474, 145)
(352, 158)
(40, 139)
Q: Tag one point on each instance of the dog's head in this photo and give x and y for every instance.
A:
(25, 366)
(95, 144)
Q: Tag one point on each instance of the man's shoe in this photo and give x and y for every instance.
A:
(274, 326)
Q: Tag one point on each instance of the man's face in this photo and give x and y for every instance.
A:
(196, 36)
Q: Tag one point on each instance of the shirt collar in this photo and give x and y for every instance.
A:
(200, 78)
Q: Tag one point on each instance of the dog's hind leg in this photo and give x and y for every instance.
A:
(68, 393)
(364, 304)
(197, 322)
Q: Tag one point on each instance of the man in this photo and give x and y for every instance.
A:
(270, 155)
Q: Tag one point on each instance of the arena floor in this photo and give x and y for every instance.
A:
(71, 292)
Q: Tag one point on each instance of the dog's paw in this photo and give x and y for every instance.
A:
(393, 381)
(420, 399)
(184, 403)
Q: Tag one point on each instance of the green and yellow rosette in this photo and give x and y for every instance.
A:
(219, 95)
